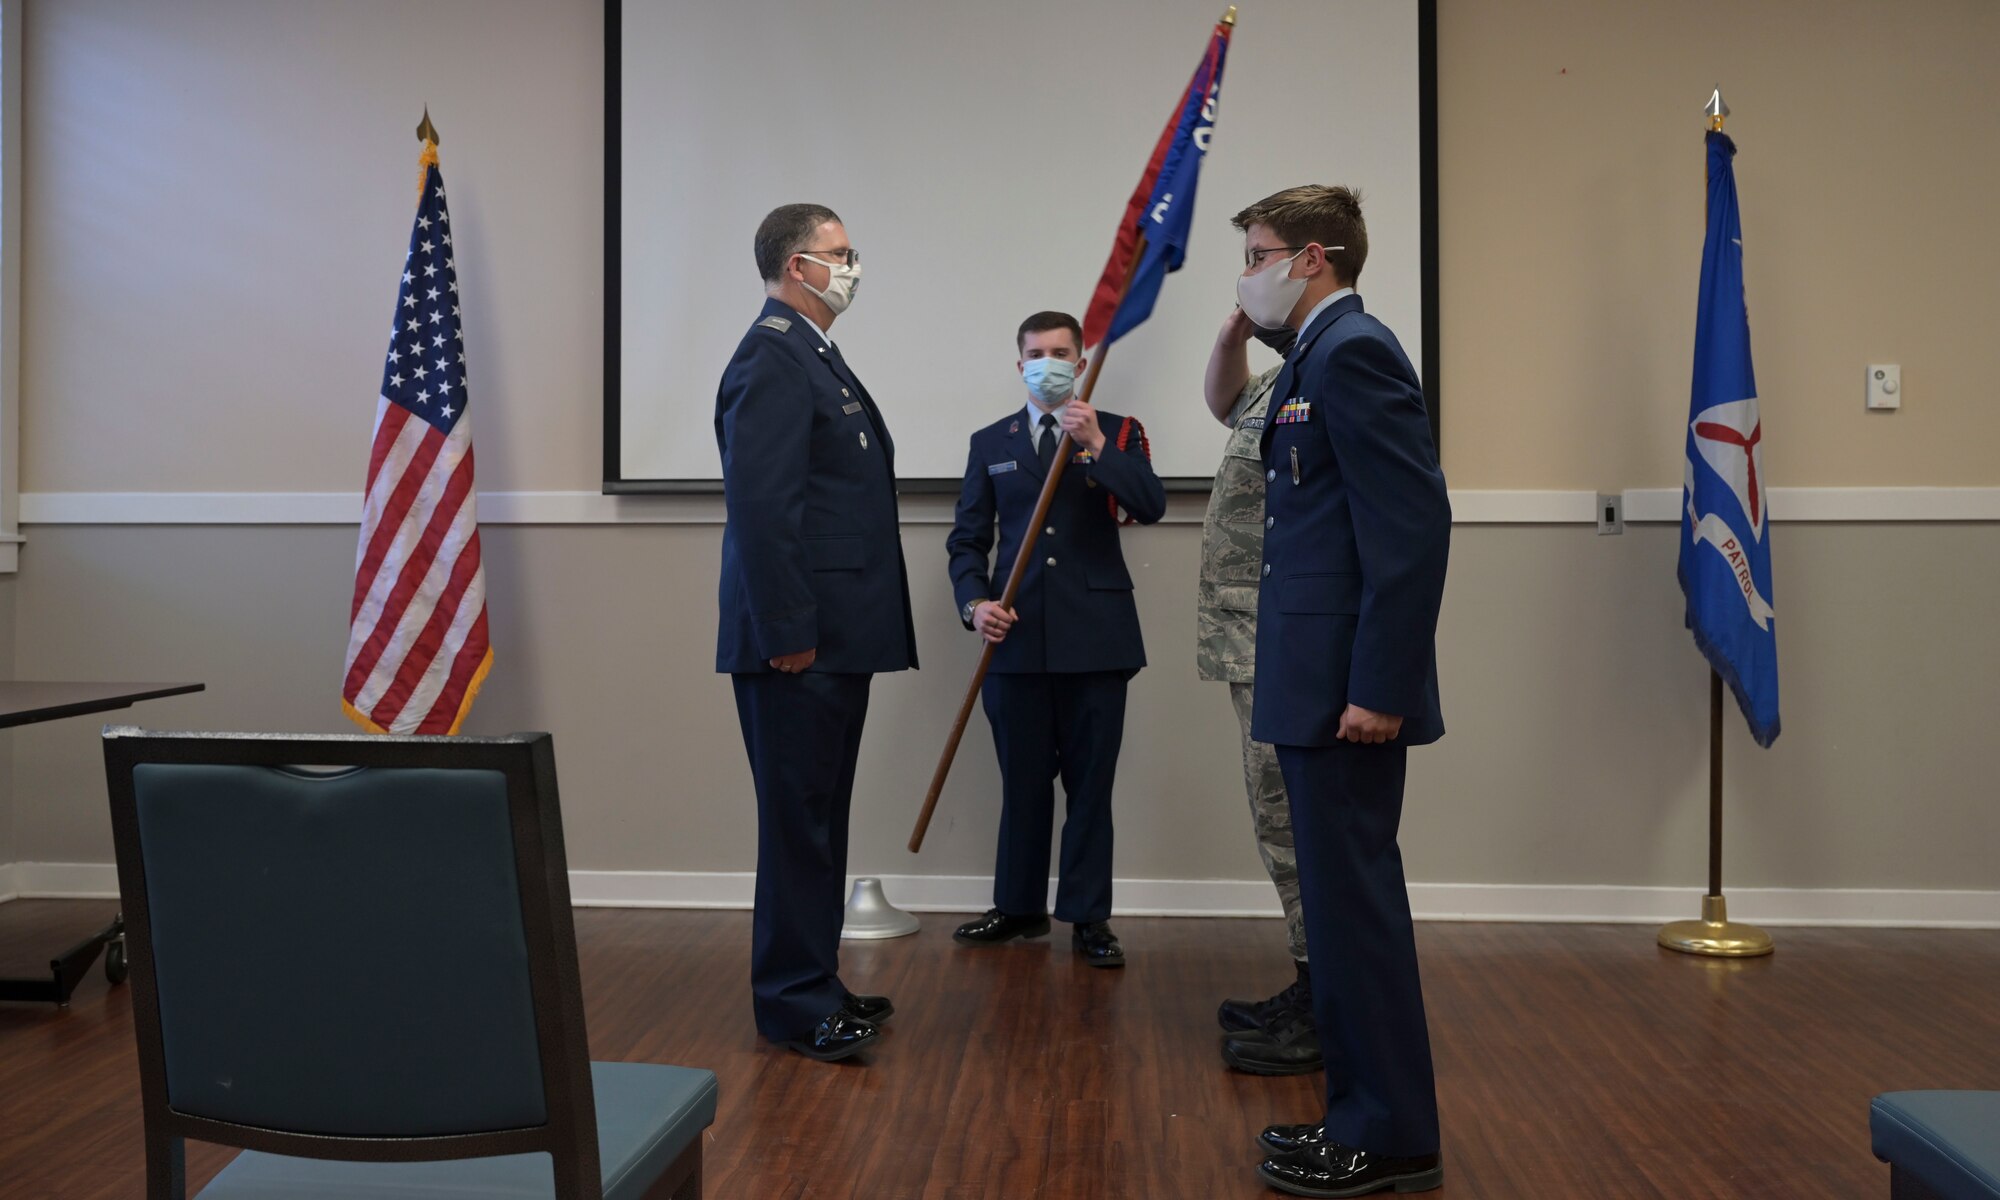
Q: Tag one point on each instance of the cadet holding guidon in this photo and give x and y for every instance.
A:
(1357, 533)
(1275, 1036)
(1055, 693)
(815, 600)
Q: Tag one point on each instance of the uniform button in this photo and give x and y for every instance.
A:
(1270, 521)
(843, 391)
(1050, 531)
(1267, 568)
(1052, 562)
(1270, 475)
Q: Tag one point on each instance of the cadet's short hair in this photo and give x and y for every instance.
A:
(1046, 322)
(1315, 212)
(784, 233)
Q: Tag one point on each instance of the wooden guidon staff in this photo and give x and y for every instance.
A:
(1014, 577)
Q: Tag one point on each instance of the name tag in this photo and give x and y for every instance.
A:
(1294, 412)
(1002, 468)
(1251, 423)
(851, 409)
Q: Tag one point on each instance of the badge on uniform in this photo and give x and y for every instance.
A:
(864, 440)
(851, 409)
(781, 324)
(1251, 423)
(1014, 428)
(1082, 458)
(1002, 468)
(1295, 412)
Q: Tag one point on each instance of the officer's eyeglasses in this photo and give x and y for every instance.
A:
(850, 256)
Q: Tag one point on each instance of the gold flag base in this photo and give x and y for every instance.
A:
(1715, 934)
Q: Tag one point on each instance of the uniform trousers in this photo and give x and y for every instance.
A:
(1368, 1002)
(1045, 726)
(1271, 819)
(803, 733)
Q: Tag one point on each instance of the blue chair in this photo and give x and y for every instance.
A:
(363, 972)
(1939, 1145)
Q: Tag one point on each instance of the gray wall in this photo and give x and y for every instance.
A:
(1577, 706)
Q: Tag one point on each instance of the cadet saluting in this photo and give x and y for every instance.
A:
(815, 599)
(1055, 693)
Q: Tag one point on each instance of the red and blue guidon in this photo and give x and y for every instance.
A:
(1725, 555)
(1162, 207)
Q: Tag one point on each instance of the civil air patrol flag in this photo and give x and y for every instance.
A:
(1725, 556)
(1162, 206)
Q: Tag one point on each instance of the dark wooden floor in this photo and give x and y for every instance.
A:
(1573, 1061)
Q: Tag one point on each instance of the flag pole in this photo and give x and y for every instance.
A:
(1715, 935)
(1015, 576)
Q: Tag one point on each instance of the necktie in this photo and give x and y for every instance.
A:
(1046, 448)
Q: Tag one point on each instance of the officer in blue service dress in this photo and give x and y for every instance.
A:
(1055, 694)
(1357, 531)
(815, 600)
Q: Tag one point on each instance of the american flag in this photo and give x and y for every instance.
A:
(417, 648)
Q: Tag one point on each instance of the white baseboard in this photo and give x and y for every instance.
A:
(1567, 903)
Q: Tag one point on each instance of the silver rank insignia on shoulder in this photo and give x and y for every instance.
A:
(781, 324)
(864, 440)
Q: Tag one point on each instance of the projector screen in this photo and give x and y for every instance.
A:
(980, 156)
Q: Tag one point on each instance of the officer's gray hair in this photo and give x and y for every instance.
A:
(788, 230)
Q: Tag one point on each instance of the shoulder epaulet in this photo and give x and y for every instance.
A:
(781, 324)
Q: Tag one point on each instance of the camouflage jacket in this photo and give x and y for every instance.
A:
(1232, 545)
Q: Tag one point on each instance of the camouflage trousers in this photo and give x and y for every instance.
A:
(1271, 816)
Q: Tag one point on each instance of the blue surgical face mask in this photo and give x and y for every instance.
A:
(1049, 380)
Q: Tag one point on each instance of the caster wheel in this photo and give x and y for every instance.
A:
(115, 968)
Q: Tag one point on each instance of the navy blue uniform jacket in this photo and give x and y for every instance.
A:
(812, 555)
(1075, 602)
(1358, 528)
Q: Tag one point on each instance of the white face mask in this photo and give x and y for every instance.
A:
(842, 282)
(1269, 296)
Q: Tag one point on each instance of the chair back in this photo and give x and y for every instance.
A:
(354, 947)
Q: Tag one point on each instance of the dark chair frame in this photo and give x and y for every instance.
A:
(527, 761)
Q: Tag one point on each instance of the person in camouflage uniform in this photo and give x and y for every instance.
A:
(1275, 1036)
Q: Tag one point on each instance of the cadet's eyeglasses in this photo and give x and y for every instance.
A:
(850, 256)
(1255, 258)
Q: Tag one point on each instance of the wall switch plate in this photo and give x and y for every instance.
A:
(1610, 512)
(1885, 386)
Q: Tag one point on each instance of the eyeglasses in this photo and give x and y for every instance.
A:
(849, 256)
(1255, 258)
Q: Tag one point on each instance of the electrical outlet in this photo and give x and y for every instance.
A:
(1610, 512)
(1885, 386)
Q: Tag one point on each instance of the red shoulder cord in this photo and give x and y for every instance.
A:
(1125, 429)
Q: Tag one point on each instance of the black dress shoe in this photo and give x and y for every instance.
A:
(1237, 1015)
(1290, 1047)
(997, 927)
(872, 1009)
(1331, 1169)
(1098, 945)
(1283, 1139)
(836, 1037)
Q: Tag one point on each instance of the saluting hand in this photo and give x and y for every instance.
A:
(992, 622)
(1079, 421)
(1366, 726)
